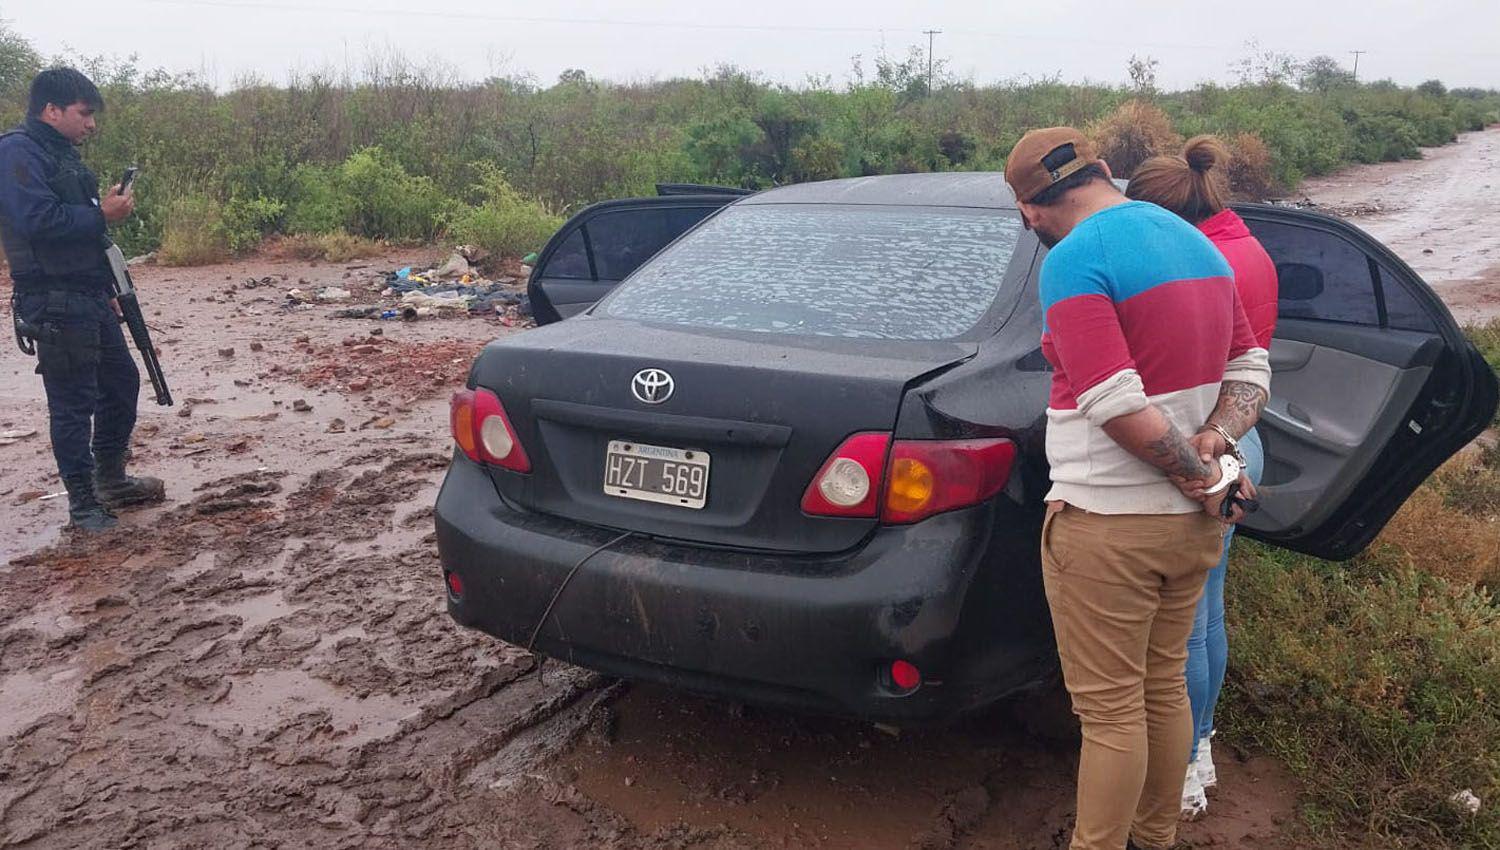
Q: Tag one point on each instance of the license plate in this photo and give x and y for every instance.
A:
(656, 474)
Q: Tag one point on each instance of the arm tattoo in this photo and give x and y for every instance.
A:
(1239, 407)
(1174, 455)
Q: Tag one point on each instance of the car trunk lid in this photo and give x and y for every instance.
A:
(766, 410)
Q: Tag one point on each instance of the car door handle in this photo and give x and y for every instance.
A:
(1292, 419)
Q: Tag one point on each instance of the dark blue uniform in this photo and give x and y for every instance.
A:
(53, 233)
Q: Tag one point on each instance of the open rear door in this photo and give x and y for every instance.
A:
(1374, 385)
(601, 245)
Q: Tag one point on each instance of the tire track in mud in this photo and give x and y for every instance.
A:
(271, 669)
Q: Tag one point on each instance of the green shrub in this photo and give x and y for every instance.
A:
(1384, 138)
(195, 234)
(385, 202)
(248, 220)
(317, 205)
(503, 222)
(380, 156)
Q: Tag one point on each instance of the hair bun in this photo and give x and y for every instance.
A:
(1204, 152)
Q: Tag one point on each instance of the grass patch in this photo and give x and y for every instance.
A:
(1376, 682)
(336, 247)
(1486, 338)
(194, 234)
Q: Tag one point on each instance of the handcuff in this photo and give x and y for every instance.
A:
(1230, 465)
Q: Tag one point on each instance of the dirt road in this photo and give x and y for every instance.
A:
(1439, 214)
(265, 661)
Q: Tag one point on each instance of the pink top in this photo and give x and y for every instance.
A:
(1254, 273)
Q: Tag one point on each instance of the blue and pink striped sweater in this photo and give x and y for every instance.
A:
(1140, 308)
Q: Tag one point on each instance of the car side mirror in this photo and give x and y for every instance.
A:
(1298, 281)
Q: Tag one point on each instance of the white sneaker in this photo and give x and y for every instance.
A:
(1194, 801)
(1204, 764)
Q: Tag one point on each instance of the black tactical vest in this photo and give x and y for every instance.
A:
(64, 262)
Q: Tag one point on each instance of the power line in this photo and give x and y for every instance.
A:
(366, 11)
(930, 34)
(1357, 54)
(526, 19)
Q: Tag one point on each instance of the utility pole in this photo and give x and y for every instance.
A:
(930, 34)
(1357, 54)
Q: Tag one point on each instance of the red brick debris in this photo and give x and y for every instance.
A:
(383, 366)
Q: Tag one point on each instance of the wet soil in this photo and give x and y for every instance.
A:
(265, 660)
(1439, 214)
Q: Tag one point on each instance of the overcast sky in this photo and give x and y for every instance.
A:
(1457, 41)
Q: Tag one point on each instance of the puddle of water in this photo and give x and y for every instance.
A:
(48, 617)
(265, 699)
(201, 563)
(256, 611)
(27, 695)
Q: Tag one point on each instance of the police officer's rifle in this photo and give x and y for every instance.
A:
(130, 309)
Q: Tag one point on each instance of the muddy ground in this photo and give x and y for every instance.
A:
(1438, 214)
(264, 661)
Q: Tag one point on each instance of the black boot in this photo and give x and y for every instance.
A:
(117, 490)
(85, 513)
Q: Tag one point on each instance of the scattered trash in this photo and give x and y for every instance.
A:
(358, 313)
(456, 266)
(1466, 800)
(142, 259)
(50, 496)
(333, 293)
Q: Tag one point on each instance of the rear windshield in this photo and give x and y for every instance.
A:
(912, 273)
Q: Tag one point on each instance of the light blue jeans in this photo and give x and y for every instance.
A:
(1208, 645)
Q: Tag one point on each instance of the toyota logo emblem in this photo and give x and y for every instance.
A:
(652, 386)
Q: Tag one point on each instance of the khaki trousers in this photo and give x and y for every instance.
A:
(1123, 589)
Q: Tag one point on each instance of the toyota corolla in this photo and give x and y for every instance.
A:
(795, 456)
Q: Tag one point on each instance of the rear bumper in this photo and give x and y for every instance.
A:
(805, 633)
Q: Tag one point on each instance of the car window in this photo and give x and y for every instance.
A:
(917, 273)
(1402, 309)
(624, 239)
(1321, 275)
(570, 260)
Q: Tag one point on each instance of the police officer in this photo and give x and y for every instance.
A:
(52, 226)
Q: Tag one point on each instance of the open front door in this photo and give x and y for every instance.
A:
(1374, 385)
(602, 244)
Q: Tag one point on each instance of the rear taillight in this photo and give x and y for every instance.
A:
(483, 430)
(929, 477)
(849, 483)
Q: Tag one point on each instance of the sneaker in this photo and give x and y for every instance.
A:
(1204, 764)
(1194, 800)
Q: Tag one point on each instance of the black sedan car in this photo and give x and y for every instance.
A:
(796, 455)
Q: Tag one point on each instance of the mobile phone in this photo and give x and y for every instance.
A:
(128, 178)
